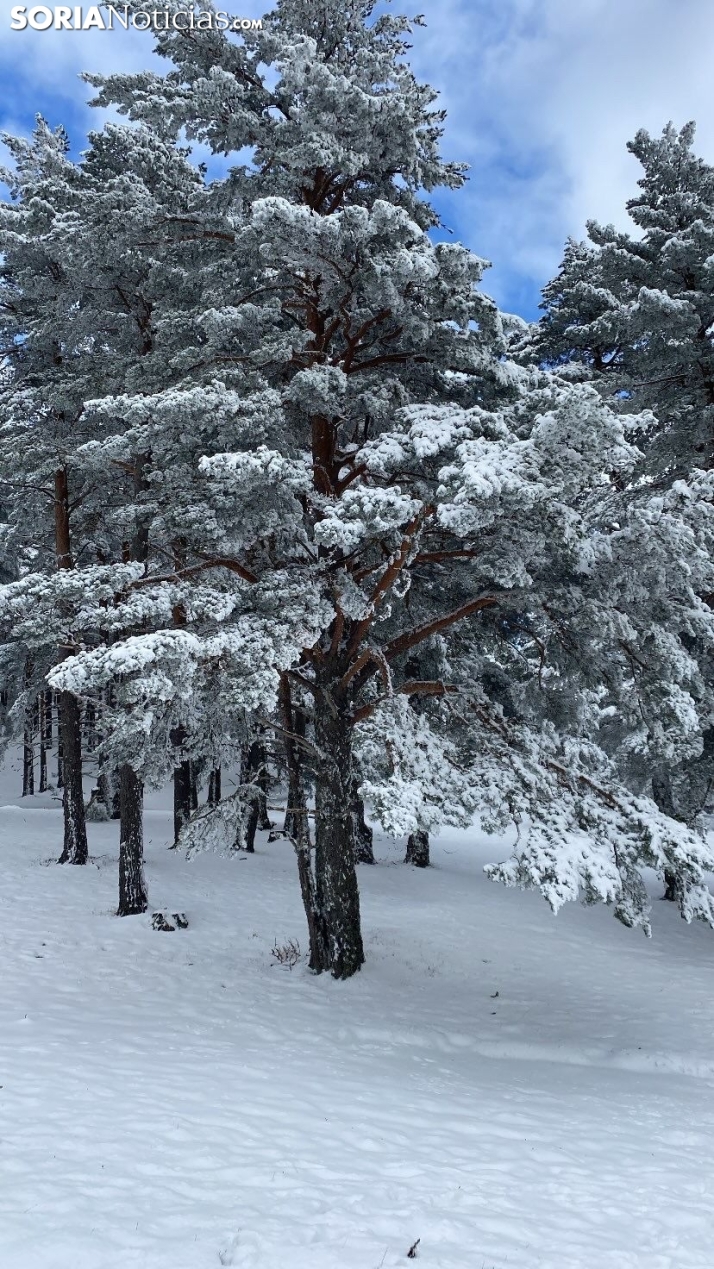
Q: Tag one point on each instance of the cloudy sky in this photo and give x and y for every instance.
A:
(542, 97)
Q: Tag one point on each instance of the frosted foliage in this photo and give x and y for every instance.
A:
(362, 513)
(633, 314)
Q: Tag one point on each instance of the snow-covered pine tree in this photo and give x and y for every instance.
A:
(347, 312)
(392, 441)
(41, 406)
(79, 320)
(635, 315)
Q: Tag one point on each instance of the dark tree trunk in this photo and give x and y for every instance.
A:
(70, 731)
(362, 834)
(418, 849)
(214, 787)
(662, 795)
(251, 767)
(41, 704)
(194, 786)
(671, 886)
(28, 764)
(297, 729)
(43, 768)
(48, 705)
(90, 726)
(264, 821)
(109, 784)
(249, 826)
(28, 737)
(335, 868)
(182, 798)
(133, 898)
(69, 716)
(297, 828)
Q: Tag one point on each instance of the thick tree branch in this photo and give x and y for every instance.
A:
(414, 637)
(412, 688)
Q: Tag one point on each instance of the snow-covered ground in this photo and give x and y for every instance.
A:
(516, 1090)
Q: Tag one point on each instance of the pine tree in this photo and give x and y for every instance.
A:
(394, 449)
(634, 313)
(43, 409)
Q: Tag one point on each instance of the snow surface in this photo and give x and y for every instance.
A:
(517, 1091)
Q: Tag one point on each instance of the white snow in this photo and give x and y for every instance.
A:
(516, 1090)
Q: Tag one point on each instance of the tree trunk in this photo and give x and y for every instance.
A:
(182, 798)
(28, 763)
(297, 828)
(264, 820)
(363, 837)
(297, 729)
(418, 849)
(214, 787)
(90, 726)
(69, 716)
(69, 721)
(251, 767)
(662, 795)
(48, 705)
(335, 868)
(28, 737)
(108, 782)
(133, 898)
(105, 784)
(41, 706)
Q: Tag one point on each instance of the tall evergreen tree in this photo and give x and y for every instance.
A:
(635, 315)
(395, 439)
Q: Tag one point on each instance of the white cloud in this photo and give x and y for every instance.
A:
(542, 97)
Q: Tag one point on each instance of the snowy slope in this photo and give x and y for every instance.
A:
(178, 1101)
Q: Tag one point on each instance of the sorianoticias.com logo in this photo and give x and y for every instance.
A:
(65, 17)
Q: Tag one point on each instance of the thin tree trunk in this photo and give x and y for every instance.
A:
(214, 787)
(48, 705)
(362, 834)
(28, 738)
(298, 729)
(251, 766)
(662, 795)
(297, 828)
(69, 717)
(41, 705)
(335, 868)
(264, 820)
(28, 764)
(108, 783)
(133, 898)
(69, 722)
(418, 849)
(182, 797)
(90, 726)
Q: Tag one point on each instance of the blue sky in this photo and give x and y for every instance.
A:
(542, 96)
